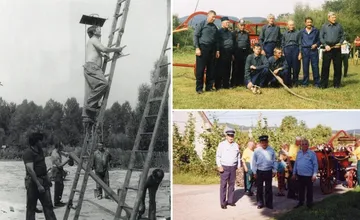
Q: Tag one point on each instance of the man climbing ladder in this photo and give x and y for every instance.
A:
(96, 84)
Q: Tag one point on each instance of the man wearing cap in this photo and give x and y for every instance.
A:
(227, 161)
(207, 48)
(270, 36)
(293, 151)
(278, 65)
(226, 46)
(256, 68)
(331, 36)
(310, 42)
(101, 165)
(305, 170)
(242, 50)
(246, 160)
(264, 169)
(291, 44)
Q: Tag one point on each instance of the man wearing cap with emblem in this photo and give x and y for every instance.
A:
(227, 161)
(226, 47)
(264, 169)
(242, 50)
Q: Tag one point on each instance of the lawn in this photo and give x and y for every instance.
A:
(185, 97)
(192, 179)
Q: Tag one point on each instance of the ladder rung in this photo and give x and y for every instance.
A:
(113, 45)
(118, 29)
(85, 157)
(137, 169)
(156, 99)
(127, 207)
(167, 48)
(147, 133)
(119, 15)
(151, 116)
(76, 190)
(106, 75)
(165, 65)
(132, 188)
(161, 81)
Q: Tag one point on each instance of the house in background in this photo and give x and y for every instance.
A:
(202, 124)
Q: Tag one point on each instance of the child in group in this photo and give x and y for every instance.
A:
(281, 167)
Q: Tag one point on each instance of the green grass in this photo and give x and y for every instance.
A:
(192, 179)
(337, 207)
(185, 97)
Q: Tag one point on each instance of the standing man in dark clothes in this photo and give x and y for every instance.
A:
(256, 69)
(270, 37)
(331, 36)
(207, 48)
(101, 164)
(152, 184)
(291, 44)
(242, 50)
(310, 42)
(226, 46)
(37, 182)
(278, 65)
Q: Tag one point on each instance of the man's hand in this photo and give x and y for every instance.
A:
(313, 178)
(250, 85)
(217, 54)
(276, 71)
(273, 174)
(314, 46)
(252, 67)
(263, 52)
(299, 57)
(233, 58)
(327, 48)
(255, 176)
(293, 177)
(245, 169)
(198, 52)
(220, 169)
(41, 189)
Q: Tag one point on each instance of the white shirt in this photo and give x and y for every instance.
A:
(228, 154)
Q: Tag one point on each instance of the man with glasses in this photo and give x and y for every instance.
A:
(305, 170)
(227, 161)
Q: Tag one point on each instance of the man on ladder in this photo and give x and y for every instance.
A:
(96, 83)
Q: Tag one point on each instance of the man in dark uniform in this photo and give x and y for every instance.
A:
(310, 41)
(226, 46)
(331, 36)
(152, 184)
(270, 37)
(37, 182)
(256, 68)
(291, 44)
(101, 165)
(207, 48)
(264, 169)
(242, 50)
(278, 65)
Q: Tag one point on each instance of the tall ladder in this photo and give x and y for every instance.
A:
(154, 109)
(92, 131)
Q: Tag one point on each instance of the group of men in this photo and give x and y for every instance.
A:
(276, 54)
(259, 162)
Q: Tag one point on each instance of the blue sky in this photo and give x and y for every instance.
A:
(335, 119)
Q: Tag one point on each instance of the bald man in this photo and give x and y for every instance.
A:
(291, 44)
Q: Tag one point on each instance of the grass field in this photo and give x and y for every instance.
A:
(185, 97)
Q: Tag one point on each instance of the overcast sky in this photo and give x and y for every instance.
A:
(241, 9)
(337, 120)
(43, 48)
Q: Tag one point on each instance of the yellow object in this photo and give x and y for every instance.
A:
(293, 150)
(247, 155)
(356, 152)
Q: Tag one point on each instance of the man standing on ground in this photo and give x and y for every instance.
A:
(58, 173)
(331, 36)
(226, 45)
(37, 182)
(264, 169)
(246, 160)
(310, 42)
(95, 83)
(305, 170)
(270, 37)
(101, 164)
(345, 53)
(256, 69)
(227, 161)
(292, 185)
(291, 45)
(357, 43)
(242, 50)
(207, 48)
(278, 65)
(356, 153)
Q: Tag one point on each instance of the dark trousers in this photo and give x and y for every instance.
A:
(283, 75)
(291, 56)
(104, 176)
(247, 178)
(292, 184)
(258, 77)
(32, 195)
(269, 49)
(264, 176)
(309, 55)
(227, 183)
(305, 183)
(223, 69)
(238, 73)
(59, 184)
(358, 172)
(206, 60)
(335, 55)
(345, 63)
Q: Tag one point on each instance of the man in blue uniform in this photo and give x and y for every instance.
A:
(256, 68)
(278, 65)
(226, 46)
(310, 42)
(205, 40)
(270, 37)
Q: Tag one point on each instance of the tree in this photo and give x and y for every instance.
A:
(72, 123)
(183, 38)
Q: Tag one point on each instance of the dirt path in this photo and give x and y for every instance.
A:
(196, 202)
(13, 194)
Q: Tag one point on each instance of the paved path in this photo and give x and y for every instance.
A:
(201, 202)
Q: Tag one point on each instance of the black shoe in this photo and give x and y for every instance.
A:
(199, 92)
(248, 193)
(60, 204)
(298, 205)
(260, 206)
(210, 90)
(38, 210)
(231, 204)
(223, 207)
(337, 87)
